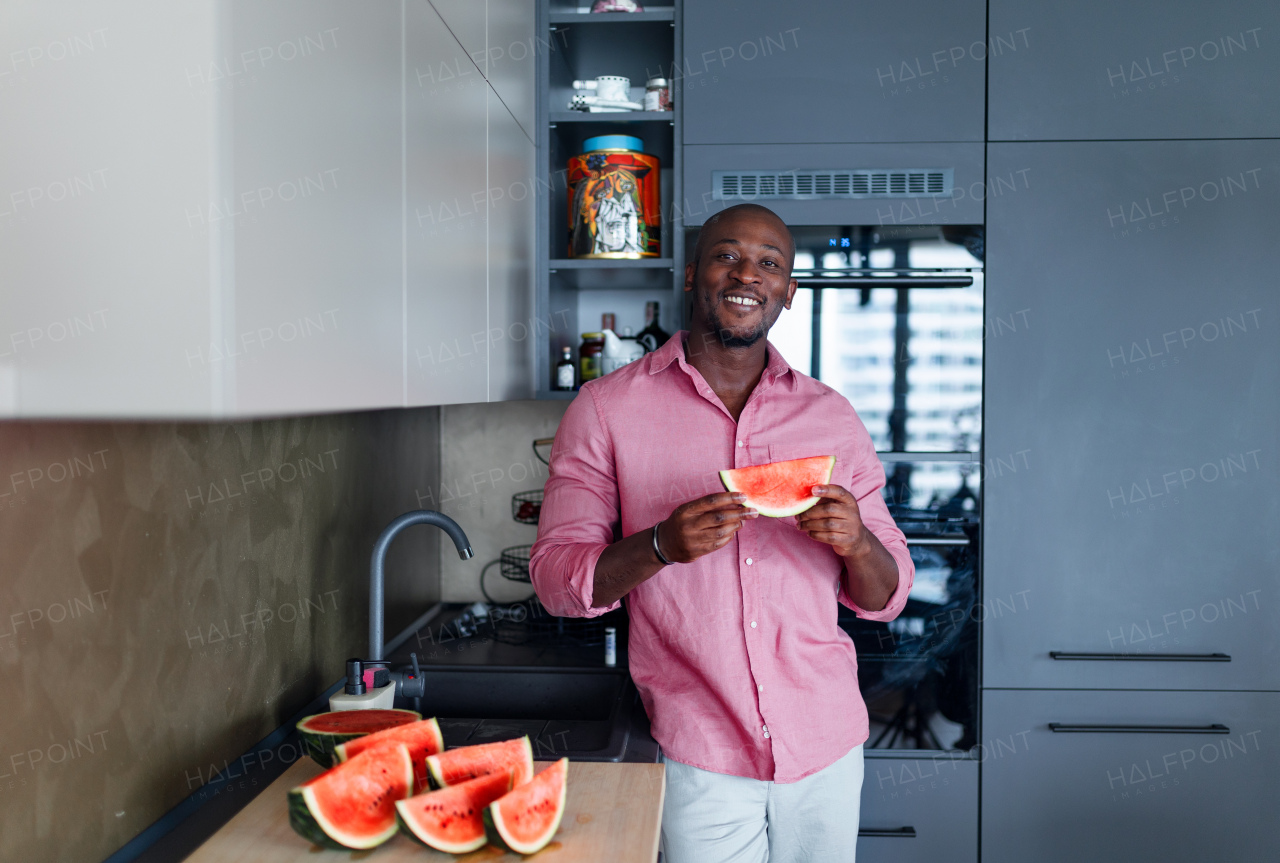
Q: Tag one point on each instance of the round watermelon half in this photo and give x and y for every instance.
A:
(354, 804)
(468, 762)
(451, 819)
(525, 819)
(322, 732)
(423, 738)
(781, 488)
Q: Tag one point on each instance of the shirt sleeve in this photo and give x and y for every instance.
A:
(579, 513)
(866, 486)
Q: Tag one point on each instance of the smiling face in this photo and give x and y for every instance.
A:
(741, 275)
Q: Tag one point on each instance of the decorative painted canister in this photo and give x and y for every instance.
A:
(614, 200)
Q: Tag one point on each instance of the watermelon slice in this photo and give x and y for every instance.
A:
(451, 819)
(354, 804)
(322, 732)
(525, 819)
(781, 488)
(468, 762)
(423, 738)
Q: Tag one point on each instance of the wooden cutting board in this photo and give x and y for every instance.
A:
(612, 813)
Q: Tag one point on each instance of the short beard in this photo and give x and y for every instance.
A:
(727, 339)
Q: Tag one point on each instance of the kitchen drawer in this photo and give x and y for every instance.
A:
(963, 205)
(919, 809)
(1129, 503)
(1135, 792)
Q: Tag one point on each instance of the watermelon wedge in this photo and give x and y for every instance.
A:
(525, 819)
(423, 738)
(468, 762)
(452, 819)
(354, 804)
(781, 488)
(322, 732)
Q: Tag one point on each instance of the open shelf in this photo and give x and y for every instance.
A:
(574, 292)
(609, 263)
(572, 17)
(613, 117)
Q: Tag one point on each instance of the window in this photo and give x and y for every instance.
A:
(926, 369)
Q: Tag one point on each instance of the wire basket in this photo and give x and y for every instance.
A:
(514, 563)
(526, 506)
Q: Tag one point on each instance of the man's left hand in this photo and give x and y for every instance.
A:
(835, 520)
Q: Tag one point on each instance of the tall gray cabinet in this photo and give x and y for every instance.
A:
(1137, 671)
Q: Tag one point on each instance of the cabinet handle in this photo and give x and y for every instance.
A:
(886, 833)
(1141, 657)
(1069, 728)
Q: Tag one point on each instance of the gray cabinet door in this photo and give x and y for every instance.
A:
(1132, 366)
(1127, 794)
(961, 204)
(919, 810)
(755, 71)
(1099, 69)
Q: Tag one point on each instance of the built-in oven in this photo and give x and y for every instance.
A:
(892, 317)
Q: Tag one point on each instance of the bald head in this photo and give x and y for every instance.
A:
(718, 225)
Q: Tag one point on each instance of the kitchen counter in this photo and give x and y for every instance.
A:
(612, 812)
(459, 649)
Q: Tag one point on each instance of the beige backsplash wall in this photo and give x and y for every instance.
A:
(486, 455)
(170, 593)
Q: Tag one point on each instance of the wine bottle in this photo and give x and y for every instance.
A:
(566, 371)
(652, 336)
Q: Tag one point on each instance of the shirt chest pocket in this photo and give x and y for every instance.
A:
(788, 452)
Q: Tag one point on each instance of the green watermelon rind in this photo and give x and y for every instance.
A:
(306, 821)
(495, 830)
(408, 828)
(322, 745)
(802, 506)
(433, 763)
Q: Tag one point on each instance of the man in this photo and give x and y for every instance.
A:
(751, 686)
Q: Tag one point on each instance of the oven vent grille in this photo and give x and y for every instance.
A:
(803, 185)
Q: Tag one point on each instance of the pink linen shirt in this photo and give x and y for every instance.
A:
(737, 655)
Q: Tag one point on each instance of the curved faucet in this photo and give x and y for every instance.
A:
(421, 516)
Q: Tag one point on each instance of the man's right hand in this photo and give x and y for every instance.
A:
(701, 526)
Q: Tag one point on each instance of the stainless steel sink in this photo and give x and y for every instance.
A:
(582, 713)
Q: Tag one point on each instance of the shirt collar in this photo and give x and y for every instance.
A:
(673, 351)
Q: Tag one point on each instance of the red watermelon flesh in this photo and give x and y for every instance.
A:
(423, 738)
(468, 762)
(452, 819)
(525, 819)
(781, 488)
(354, 804)
(322, 732)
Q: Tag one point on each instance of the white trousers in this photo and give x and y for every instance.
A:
(716, 818)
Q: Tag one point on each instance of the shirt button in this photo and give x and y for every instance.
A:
(740, 443)
(766, 734)
(750, 561)
(753, 624)
(759, 687)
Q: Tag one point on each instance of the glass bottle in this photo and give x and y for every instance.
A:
(589, 363)
(608, 321)
(566, 372)
(652, 336)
